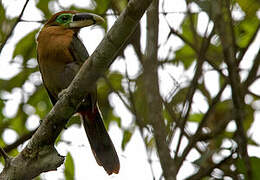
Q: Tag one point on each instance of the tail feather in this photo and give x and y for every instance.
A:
(100, 142)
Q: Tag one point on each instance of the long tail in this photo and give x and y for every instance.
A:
(100, 142)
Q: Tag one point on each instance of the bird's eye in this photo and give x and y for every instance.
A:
(65, 18)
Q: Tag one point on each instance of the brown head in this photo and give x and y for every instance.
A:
(55, 38)
(58, 32)
(74, 20)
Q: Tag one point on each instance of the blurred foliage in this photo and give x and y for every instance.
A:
(215, 132)
(255, 161)
(69, 168)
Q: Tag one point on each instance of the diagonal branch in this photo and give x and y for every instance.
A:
(5, 156)
(40, 155)
(194, 83)
(193, 140)
(252, 76)
(203, 172)
(12, 30)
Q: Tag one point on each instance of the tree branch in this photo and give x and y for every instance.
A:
(193, 140)
(193, 85)
(225, 29)
(208, 169)
(12, 30)
(5, 156)
(153, 99)
(19, 141)
(40, 155)
(252, 76)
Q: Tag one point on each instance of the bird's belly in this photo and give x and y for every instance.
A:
(57, 79)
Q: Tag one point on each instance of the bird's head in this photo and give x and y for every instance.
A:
(74, 20)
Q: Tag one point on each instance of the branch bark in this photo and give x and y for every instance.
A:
(153, 99)
(225, 30)
(40, 155)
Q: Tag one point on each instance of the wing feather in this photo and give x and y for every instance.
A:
(78, 50)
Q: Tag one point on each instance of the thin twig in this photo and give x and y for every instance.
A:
(113, 14)
(117, 93)
(33, 21)
(138, 122)
(253, 94)
(197, 134)
(195, 48)
(191, 24)
(194, 83)
(227, 38)
(16, 22)
(5, 155)
(206, 171)
(19, 141)
(252, 76)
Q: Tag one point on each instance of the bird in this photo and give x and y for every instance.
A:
(60, 54)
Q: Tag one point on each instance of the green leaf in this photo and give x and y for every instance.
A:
(119, 5)
(255, 163)
(43, 5)
(150, 143)
(102, 6)
(169, 119)
(215, 54)
(2, 12)
(26, 47)
(252, 142)
(18, 80)
(37, 178)
(204, 91)
(249, 117)
(179, 97)
(250, 7)
(18, 122)
(104, 105)
(115, 78)
(126, 138)
(69, 168)
(186, 27)
(245, 30)
(140, 102)
(186, 55)
(109, 117)
(40, 101)
(74, 120)
(2, 105)
(196, 117)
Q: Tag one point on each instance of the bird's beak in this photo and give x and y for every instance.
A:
(85, 19)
